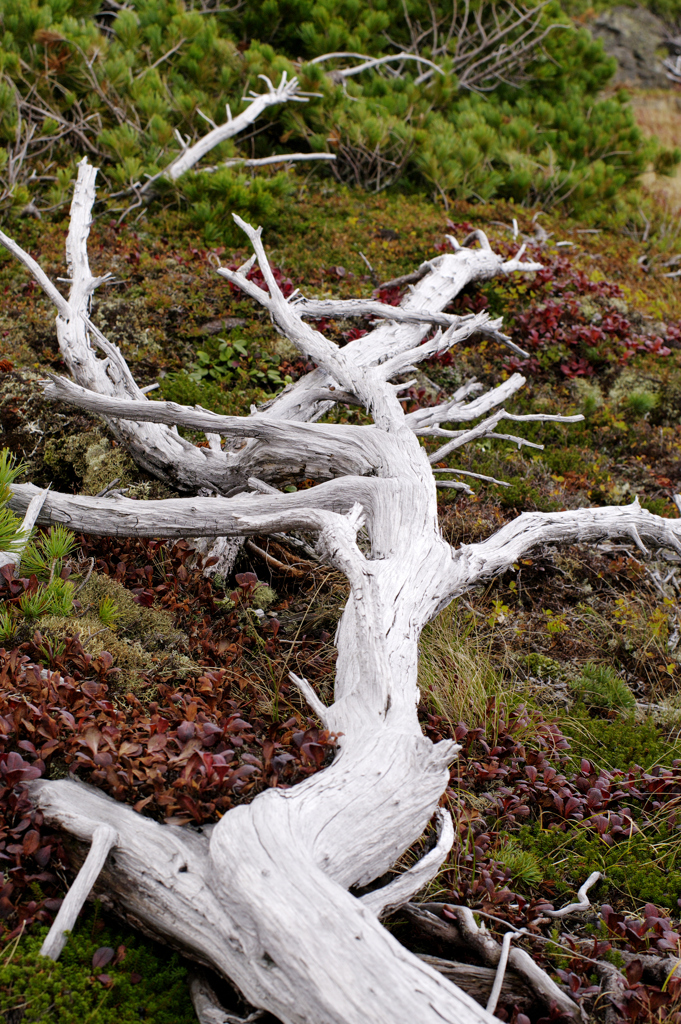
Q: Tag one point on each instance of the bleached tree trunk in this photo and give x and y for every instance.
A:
(266, 900)
(263, 896)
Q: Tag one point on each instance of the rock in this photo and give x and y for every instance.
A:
(633, 35)
(227, 323)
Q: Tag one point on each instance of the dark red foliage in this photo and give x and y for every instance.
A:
(28, 851)
(520, 770)
(390, 296)
(189, 755)
(549, 310)
(649, 1003)
(653, 932)
(255, 275)
(197, 748)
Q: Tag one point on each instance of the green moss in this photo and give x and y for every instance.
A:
(640, 403)
(185, 390)
(564, 460)
(522, 494)
(66, 457)
(635, 392)
(263, 596)
(634, 867)
(152, 625)
(658, 506)
(147, 984)
(104, 463)
(619, 743)
(542, 666)
(139, 640)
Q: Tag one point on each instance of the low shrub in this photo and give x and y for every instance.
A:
(104, 975)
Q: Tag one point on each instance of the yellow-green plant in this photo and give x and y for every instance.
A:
(35, 603)
(7, 626)
(54, 598)
(45, 556)
(61, 594)
(456, 674)
(10, 525)
(555, 623)
(109, 612)
(525, 868)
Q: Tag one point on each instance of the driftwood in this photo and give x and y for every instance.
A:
(158, 448)
(479, 981)
(460, 932)
(262, 897)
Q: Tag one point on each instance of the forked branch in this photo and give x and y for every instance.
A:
(475, 563)
(286, 92)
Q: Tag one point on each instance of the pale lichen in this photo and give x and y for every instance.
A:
(143, 641)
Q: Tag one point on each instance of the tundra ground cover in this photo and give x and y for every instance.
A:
(555, 779)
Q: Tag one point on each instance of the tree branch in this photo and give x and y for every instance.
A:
(391, 897)
(489, 951)
(437, 345)
(583, 901)
(486, 429)
(473, 563)
(33, 511)
(104, 838)
(318, 308)
(285, 92)
(188, 517)
(328, 450)
(456, 411)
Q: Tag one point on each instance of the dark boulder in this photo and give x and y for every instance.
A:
(635, 38)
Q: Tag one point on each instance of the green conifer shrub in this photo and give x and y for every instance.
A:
(127, 89)
(601, 688)
(10, 524)
(42, 560)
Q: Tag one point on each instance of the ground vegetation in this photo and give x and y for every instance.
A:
(125, 665)
(556, 659)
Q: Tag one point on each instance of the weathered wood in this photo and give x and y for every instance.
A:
(264, 900)
(478, 981)
(104, 838)
(262, 897)
(285, 92)
(398, 892)
(490, 952)
(157, 446)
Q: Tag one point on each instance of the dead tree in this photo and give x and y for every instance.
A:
(263, 896)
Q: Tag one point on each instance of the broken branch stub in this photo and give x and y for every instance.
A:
(104, 838)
